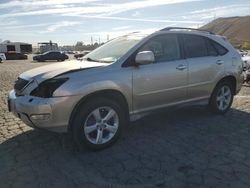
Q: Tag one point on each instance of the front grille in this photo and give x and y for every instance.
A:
(19, 85)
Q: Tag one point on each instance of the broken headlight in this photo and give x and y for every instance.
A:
(46, 88)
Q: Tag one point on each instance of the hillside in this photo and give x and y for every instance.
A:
(236, 29)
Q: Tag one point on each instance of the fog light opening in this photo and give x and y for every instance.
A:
(40, 117)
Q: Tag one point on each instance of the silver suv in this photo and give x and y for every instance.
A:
(126, 78)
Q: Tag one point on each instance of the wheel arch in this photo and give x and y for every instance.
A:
(231, 79)
(108, 93)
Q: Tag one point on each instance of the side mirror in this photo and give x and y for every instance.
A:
(145, 57)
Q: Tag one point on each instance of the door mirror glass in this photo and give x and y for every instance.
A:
(145, 57)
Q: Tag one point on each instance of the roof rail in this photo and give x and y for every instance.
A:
(186, 28)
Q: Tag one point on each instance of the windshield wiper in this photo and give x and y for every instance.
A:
(90, 59)
(95, 60)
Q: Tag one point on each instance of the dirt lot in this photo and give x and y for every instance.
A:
(188, 147)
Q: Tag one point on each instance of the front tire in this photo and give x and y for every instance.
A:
(221, 98)
(98, 123)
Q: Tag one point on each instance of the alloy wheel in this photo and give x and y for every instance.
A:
(223, 98)
(101, 125)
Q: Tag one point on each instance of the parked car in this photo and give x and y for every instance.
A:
(15, 56)
(243, 52)
(2, 57)
(70, 52)
(125, 79)
(81, 54)
(246, 60)
(246, 68)
(247, 75)
(51, 55)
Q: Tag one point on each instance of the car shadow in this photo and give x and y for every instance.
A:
(188, 146)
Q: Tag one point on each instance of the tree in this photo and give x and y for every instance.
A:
(79, 46)
(246, 45)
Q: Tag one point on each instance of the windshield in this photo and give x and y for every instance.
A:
(47, 52)
(113, 50)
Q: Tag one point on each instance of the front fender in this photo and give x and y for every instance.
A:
(87, 89)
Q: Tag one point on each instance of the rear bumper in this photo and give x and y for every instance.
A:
(247, 76)
(47, 113)
(239, 83)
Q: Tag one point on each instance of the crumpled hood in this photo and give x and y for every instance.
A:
(50, 71)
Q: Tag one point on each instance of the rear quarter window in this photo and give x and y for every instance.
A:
(220, 49)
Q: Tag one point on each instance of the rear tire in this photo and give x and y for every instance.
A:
(98, 124)
(221, 98)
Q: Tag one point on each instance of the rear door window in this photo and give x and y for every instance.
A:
(198, 46)
(211, 50)
(55, 55)
(195, 46)
(49, 54)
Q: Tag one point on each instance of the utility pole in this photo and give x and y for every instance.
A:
(50, 44)
(91, 40)
(215, 2)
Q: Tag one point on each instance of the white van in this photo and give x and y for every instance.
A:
(2, 57)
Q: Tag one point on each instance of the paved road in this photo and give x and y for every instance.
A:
(187, 147)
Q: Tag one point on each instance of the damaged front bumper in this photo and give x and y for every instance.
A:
(48, 113)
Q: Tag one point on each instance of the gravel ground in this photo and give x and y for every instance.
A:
(187, 147)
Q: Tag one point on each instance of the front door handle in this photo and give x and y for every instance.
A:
(181, 67)
(219, 62)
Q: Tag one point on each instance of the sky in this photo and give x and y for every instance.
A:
(69, 21)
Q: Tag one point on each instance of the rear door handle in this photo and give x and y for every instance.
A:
(181, 67)
(219, 62)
